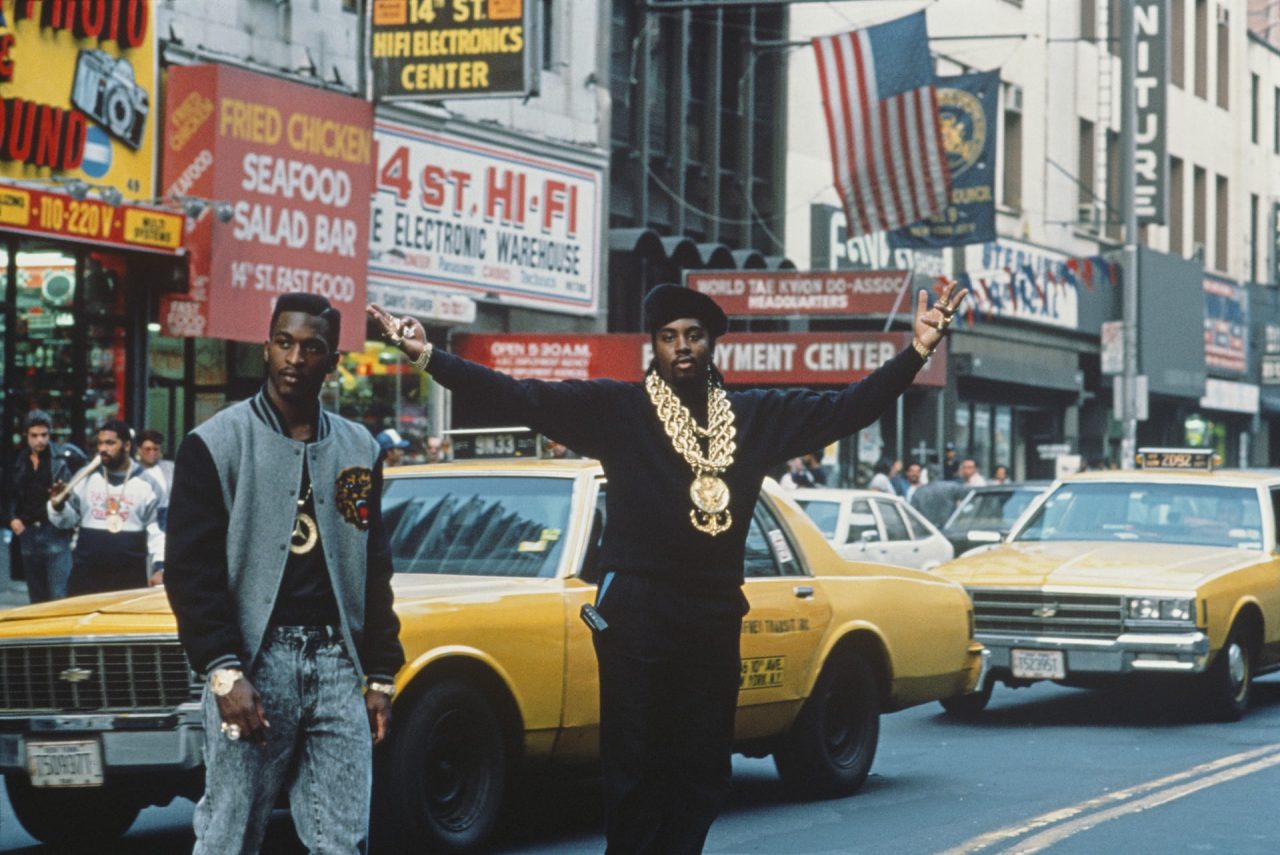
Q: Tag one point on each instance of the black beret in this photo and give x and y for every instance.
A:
(667, 303)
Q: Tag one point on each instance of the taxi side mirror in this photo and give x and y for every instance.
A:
(980, 536)
(870, 536)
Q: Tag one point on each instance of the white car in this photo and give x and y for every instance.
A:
(866, 525)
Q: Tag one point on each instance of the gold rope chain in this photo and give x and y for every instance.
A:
(683, 430)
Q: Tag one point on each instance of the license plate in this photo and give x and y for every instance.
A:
(65, 764)
(1038, 664)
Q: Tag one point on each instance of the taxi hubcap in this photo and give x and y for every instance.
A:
(1237, 667)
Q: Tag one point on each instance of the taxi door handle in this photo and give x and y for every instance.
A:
(803, 591)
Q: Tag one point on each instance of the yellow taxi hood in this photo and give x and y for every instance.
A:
(146, 601)
(1090, 564)
(430, 586)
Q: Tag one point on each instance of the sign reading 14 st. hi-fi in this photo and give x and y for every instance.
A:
(429, 49)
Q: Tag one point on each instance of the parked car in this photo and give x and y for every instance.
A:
(867, 525)
(1166, 572)
(99, 711)
(987, 514)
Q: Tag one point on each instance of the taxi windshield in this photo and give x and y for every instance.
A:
(823, 513)
(477, 526)
(1196, 514)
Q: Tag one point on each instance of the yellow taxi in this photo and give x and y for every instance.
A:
(99, 712)
(1170, 569)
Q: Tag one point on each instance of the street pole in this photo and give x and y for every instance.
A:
(1128, 124)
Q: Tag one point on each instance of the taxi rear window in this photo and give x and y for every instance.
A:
(1195, 514)
(824, 515)
(479, 526)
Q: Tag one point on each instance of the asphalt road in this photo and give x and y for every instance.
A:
(1043, 769)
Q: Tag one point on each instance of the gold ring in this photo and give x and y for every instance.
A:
(231, 731)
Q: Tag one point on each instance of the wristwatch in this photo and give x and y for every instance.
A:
(388, 689)
(223, 680)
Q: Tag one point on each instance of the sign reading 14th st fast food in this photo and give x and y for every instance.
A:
(429, 49)
(455, 214)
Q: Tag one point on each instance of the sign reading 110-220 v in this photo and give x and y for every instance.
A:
(429, 49)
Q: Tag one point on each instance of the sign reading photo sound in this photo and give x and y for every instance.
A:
(429, 49)
(296, 165)
(76, 92)
(458, 216)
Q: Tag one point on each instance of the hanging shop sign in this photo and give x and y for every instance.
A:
(1151, 93)
(1012, 280)
(39, 212)
(422, 50)
(76, 92)
(459, 216)
(756, 359)
(292, 168)
(967, 110)
(788, 292)
(1226, 326)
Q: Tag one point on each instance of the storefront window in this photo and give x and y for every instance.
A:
(1002, 439)
(962, 437)
(981, 449)
(380, 389)
(104, 347)
(44, 359)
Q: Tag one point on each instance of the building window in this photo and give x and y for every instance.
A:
(548, 36)
(1012, 195)
(1178, 44)
(1255, 231)
(1255, 94)
(1085, 174)
(1199, 212)
(1177, 217)
(1220, 230)
(1224, 58)
(1202, 49)
(1114, 187)
(1088, 19)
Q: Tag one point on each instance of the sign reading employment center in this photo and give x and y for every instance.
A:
(456, 215)
(429, 49)
(77, 84)
(296, 165)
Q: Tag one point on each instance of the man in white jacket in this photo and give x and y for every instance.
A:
(117, 508)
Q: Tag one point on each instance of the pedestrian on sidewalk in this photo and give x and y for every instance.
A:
(45, 548)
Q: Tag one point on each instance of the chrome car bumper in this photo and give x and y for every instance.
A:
(1184, 652)
(131, 743)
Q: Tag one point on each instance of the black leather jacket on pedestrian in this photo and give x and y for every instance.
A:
(63, 458)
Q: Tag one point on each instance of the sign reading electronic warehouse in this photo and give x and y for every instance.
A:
(429, 49)
(455, 215)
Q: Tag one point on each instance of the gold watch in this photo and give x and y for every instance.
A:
(919, 346)
(223, 680)
(388, 689)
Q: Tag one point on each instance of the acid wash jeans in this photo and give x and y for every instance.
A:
(318, 750)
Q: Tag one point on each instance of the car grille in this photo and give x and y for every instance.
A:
(1037, 613)
(95, 677)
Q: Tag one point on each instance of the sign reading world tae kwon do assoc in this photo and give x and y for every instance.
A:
(295, 164)
(746, 359)
(789, 292)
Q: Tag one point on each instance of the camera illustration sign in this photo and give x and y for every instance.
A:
(77, 84)
(294, 166)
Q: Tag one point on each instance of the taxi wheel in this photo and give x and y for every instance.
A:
(830, 747)
(447, 771)
(967, 706)
(68, 819)
(1228, 680)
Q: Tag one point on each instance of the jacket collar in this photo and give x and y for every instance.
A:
(269, 415)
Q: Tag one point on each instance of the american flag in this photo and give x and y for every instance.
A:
(882, 120)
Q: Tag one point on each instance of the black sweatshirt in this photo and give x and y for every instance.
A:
(649, 531)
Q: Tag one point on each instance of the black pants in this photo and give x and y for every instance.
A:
(669, 671)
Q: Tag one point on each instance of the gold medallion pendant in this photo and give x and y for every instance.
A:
(115, 524)
(709, 493)
(305, 534)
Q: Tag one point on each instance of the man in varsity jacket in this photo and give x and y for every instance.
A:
(685, 459)
(118, 510)
(279, 574)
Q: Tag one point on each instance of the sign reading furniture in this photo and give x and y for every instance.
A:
(295, 164)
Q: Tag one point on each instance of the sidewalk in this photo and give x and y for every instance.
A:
(13, 594)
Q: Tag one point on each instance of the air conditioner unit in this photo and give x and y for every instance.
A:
(1224, 16)
(1089, 215)
(1013, 98)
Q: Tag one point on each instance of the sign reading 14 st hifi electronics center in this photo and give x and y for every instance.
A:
(430, 49)
(458, 216)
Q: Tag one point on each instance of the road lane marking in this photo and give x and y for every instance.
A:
(1045, 839)
(1071, 812)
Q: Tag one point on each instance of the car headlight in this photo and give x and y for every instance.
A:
(1161, 609)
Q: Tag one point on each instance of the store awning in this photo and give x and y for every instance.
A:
(686, 254)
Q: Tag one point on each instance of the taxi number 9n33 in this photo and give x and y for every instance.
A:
(65, 764)
(1038, 664)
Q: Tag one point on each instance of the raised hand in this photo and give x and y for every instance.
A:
(405, 333)
(931, 323)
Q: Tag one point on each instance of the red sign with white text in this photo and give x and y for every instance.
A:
(39, 212)
(745, 359)
(295, 164)
(791, 292)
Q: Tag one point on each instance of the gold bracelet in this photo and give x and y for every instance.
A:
(388, 689)
(918, 346)
(423, 358)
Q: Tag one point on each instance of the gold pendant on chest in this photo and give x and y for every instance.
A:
(710, 512)
(305, 534)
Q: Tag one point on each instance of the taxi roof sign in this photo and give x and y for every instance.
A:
(1176, 458)
(494, 442)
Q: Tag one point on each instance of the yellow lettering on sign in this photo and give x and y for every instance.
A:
(427, 77)
(246, 120)
(152, 228)
(316, 135)
(15, 207)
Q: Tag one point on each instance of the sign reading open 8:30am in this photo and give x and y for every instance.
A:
(428, 49)
(454, 214)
